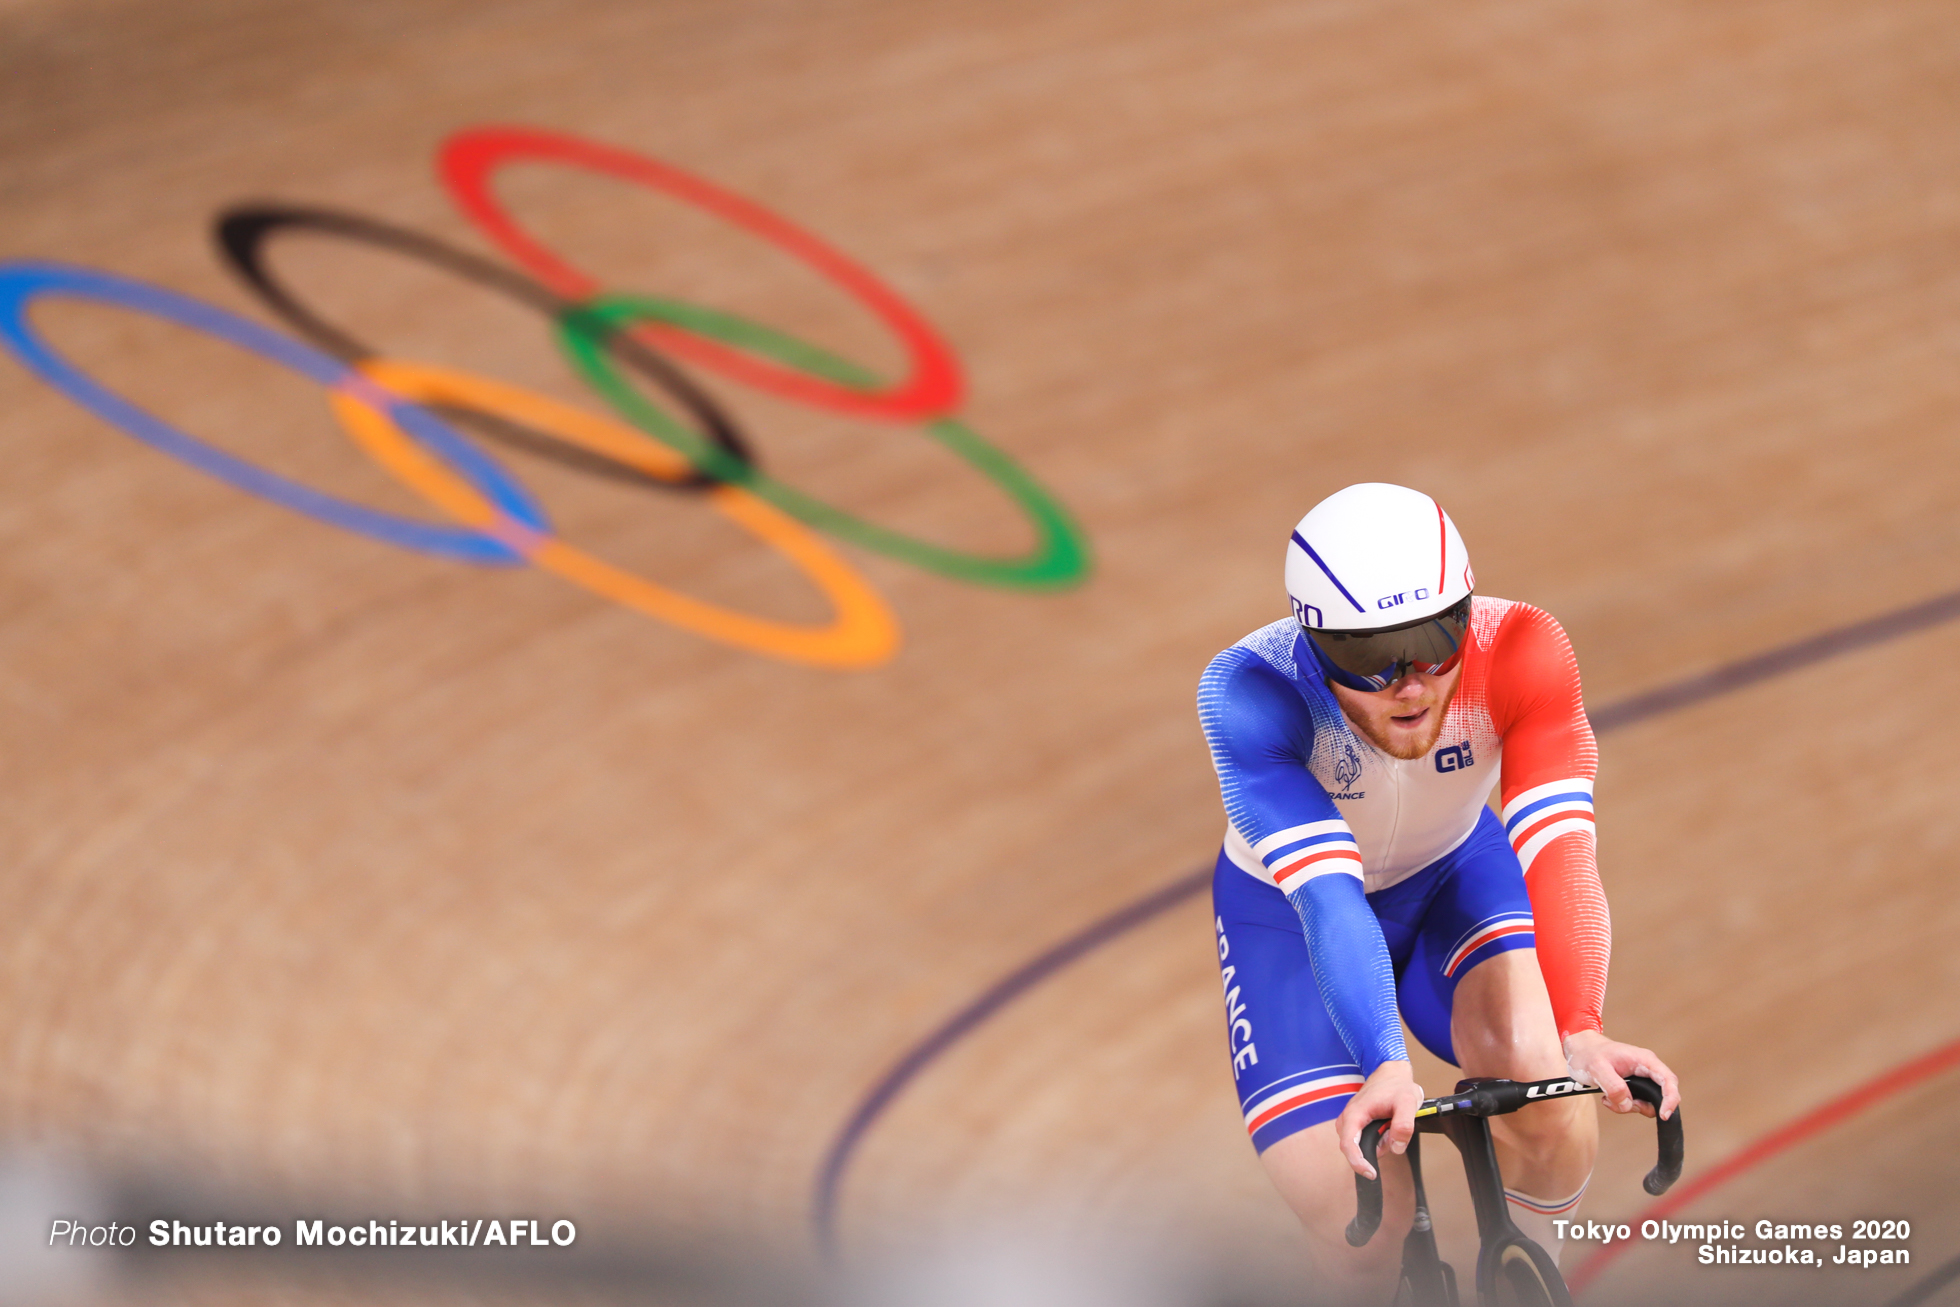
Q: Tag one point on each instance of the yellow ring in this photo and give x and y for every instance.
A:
(863, 632)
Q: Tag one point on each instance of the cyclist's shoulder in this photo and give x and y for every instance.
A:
(1260, 674)
(1267, 654)
(1516, 632)
(1528, 668)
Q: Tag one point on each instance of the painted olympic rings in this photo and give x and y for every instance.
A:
(503, 524)
(932, 388)
(24, 281)
(863, 633)
(1057, 559)
(242, 232)
(384, 405)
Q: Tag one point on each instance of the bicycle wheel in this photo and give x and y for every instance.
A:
(1526, 1276)
(1427, 1280)
(1426, 1286)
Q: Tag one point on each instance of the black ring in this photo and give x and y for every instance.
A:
(241, 233)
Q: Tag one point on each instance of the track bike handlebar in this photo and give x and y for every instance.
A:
(1367, 1193)
(1500, 1098)
(1667, 1167)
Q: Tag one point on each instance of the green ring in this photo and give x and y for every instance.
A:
(1061, 553)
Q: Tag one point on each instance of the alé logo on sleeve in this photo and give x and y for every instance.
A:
(1457, 757)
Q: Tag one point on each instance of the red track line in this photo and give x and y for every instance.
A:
(1815, 1122)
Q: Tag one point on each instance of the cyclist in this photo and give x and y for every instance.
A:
(1362, 876)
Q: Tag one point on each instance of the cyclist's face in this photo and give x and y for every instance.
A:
(1404, 720)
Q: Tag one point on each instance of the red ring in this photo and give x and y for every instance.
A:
(934, 385)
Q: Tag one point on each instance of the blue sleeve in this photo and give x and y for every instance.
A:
(1261, 737)
(1351, 968)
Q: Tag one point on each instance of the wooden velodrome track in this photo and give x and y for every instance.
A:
(337, 866)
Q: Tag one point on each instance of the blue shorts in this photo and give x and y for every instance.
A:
(1293, 1070)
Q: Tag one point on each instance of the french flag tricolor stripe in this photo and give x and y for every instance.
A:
(1279, 839)
(1531, 812)
(1560, 795)
(1545, 1209)
(1321, 862)
(1298, 1096)
(1484, 934)
(1301, 846)
(1528, 823)
(1543, 813)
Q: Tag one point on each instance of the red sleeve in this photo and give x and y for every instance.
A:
(1546, 788)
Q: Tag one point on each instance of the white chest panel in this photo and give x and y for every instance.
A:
(1405, 814)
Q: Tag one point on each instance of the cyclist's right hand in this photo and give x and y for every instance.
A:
(1594, 1059)
(1392, 1093)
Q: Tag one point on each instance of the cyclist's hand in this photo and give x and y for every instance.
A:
(1596, 1060)
(1391, 1092)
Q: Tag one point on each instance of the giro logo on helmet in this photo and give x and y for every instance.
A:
(1390, 601)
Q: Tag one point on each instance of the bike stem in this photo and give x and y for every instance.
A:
(1471, 1135)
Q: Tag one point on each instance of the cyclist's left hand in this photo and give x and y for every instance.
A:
(1596, 1060)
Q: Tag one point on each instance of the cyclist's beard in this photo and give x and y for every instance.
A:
(1368, 715)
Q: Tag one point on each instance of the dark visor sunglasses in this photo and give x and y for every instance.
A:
(1375, 660)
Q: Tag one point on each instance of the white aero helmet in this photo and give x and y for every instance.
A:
(1381, 583)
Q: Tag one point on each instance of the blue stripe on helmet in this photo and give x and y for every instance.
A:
(1322, 565)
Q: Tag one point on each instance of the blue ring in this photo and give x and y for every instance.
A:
(24, 280)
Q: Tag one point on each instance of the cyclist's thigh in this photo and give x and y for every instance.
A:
(1289, 1064)
(1294, 1075)
(1502, 1023)
(1311, 1175)
(1480, 912)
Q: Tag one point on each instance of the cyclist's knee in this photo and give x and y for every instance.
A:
(1564, 1132)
